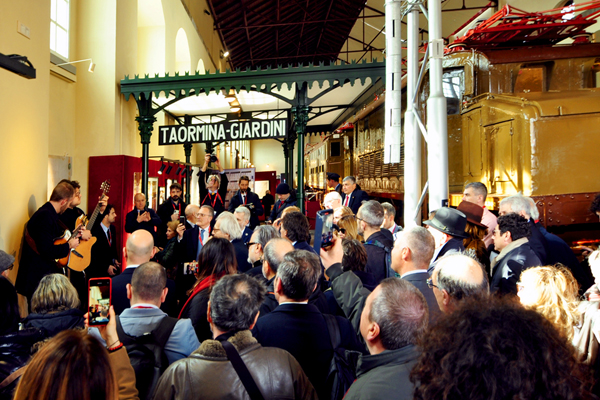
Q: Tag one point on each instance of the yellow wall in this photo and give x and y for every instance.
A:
(263, 152)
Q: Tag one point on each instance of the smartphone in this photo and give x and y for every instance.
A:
(182, 219)
(323, 230)
(99, 295)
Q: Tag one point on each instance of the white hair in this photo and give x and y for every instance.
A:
(229, 225)
(330, 197)
(243, 210)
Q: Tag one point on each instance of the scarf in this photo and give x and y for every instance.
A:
(205, 283)
(511, 246)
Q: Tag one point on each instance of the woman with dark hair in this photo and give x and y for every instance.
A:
(216, 259)
(355, 260)
(54, 306)
(167, 256)
(16, 346)
(75, 366)
(475, 231)
(496, 351)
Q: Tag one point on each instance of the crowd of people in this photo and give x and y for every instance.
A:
(213, 305)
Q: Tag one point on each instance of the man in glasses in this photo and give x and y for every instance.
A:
(247, 198)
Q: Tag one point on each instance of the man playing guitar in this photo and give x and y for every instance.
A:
(39, 251)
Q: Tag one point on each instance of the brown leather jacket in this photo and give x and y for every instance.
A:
(207, 374)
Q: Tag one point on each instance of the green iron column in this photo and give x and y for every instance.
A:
(187, 148)
(300, 113)
(286, 156)
(145, 121)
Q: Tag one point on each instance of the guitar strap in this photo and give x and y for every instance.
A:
(31, 242)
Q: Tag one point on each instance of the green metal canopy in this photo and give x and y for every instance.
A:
(261, 80)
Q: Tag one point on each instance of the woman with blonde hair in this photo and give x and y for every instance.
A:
(348, 228)
(553, 292)
(54, 306)
(340, 212)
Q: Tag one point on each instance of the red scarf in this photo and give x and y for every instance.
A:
(205, 283)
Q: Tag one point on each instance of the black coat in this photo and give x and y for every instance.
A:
(317, 299)
(15, 352)
(196, 310)
(121, 302)
(356, 199)
(164, 212)
(301, 330)
(538, 243)
(507, 272)
(419, 280)
(247, 234)
(131, 224)
(267, 201)
(43, 228)
(251, 198)
(376, 263)
(280, 206)
(454, 244)
(216, 201)
(241, 255)
(52, 324)
(103, 253)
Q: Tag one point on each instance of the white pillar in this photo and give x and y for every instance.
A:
(393, 82)
(412, 134)
(437, 144)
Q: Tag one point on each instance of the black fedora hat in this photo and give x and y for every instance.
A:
(449, 221)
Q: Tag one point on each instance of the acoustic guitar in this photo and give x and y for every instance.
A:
(79, 259)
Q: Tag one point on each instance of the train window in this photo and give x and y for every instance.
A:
(531, 78)
(336, 149)
(454, 85)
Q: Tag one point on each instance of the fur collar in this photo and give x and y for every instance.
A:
(213, 348)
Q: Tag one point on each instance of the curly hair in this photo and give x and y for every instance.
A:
(554, 295)
(595, 206)
(515, 224)
(500, 351)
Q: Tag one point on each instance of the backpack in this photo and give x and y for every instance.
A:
(389, 272)
(147, 355)
(342, 371)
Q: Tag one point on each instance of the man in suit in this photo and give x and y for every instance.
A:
(104, 252)
(476, 193)
(170, 210)
(256, 248)
(457, 277)
(285, 201)
(519, 204)
(352, 196)
(332, 200)
(299, 327)
(142, 217)
(389, 220)
(370, 218)
(296, 229)
(39, 251)
(213, 186)
(333, 181)
(188, 246)
(245, 197)
(227, 227)
(242, 215)
(138, 250)
(448, 229)
(274, 252)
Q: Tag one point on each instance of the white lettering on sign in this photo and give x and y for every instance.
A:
(225, 130)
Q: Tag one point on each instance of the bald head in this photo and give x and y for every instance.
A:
(140, 247)
(457, 276)
(273, 255)
(191, 211)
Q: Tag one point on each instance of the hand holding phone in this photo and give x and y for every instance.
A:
(182, 219)
(99, 301)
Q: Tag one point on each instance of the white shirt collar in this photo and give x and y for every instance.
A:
(133, 266)
(144, 305)
(416, 271)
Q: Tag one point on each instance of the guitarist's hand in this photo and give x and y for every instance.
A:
(103, 202)
(73, 242)
(112, 270)
(86, 235)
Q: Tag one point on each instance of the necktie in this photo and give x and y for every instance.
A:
(109, 237)
(201, 240)
(244, 199)
(346, 202)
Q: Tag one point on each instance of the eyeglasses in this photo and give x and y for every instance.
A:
(248, 244)
(342, 230)
(431, 285)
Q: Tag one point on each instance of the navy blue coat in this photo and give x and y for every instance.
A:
(356, 199)
(278, 208)
(119, 294)
(251, 198)
(301, 330)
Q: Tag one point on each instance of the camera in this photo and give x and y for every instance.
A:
(213, 158)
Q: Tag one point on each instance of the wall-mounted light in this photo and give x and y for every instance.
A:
(178, 170)
(91, 68)
(169, 168)
(162, 168)
(224, 54)
(184, 173)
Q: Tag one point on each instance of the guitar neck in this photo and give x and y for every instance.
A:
(95, 214)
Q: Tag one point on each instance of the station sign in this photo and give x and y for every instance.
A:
(227, 130)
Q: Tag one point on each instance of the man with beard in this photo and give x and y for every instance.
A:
(170, 210)
(39, 251)
(245, 197)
